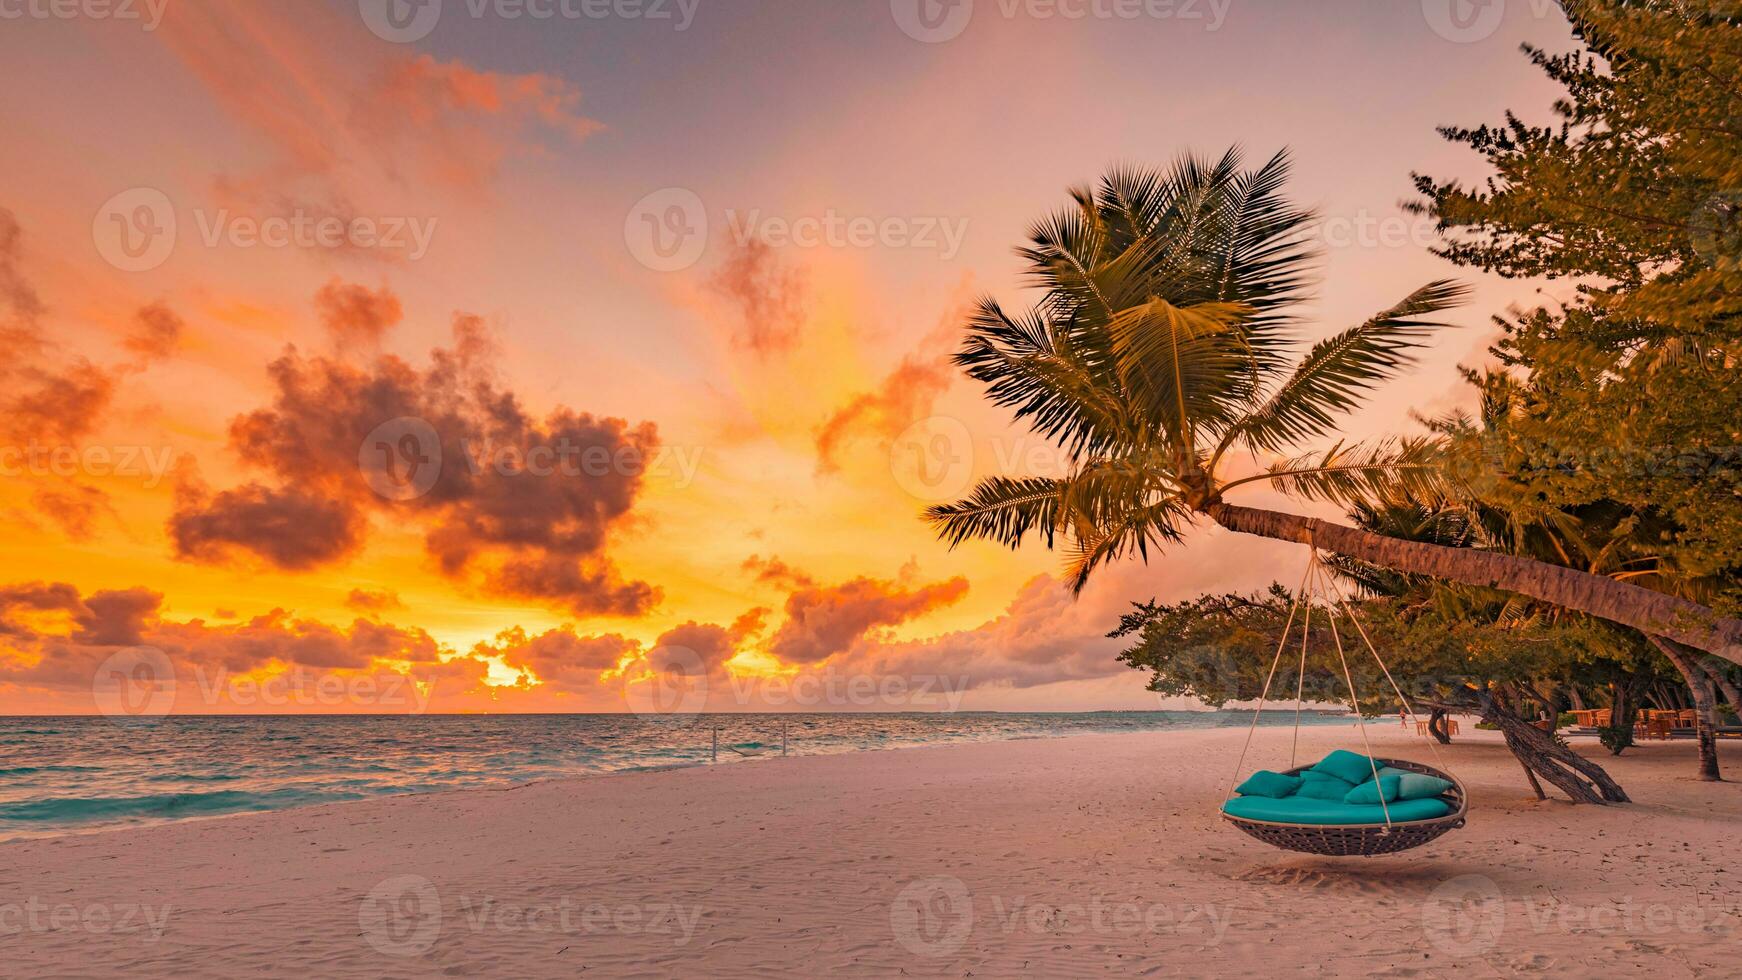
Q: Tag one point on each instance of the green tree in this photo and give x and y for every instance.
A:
(1445, 656)
(1632, 393)
(1162, 342)
(1631, 396)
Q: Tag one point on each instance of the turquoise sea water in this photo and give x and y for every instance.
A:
(72, 774)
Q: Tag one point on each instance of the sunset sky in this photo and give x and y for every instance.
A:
(723, 245)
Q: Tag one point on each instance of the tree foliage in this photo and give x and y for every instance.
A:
(1163, 340)
(1630, 396)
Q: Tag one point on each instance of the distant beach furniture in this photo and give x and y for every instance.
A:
(1422, 727)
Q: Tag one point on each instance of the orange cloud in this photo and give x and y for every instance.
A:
(373, 602)
(457, 122)
(336, 107)
(293, 528)
(53, 639)
(560, 658)
(47, 397)
(156, 332)
(904, 396)
(74, 508)
(773, 571)
(355, 315)
(767, 298)
(1044, 636)
(523, 506)
(822, 621)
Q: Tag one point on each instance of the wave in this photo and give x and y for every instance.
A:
(32, 770)
(161, 805)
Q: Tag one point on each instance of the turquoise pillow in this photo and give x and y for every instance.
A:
(1371, 791)
(1272, 784)
(1347, 766)
(1317, 785)
(1296, 810)
(1420, 786)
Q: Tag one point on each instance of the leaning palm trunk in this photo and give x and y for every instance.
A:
(1705, 704)
(1654, 613)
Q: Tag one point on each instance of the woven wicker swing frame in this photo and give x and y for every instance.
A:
(1344, 840)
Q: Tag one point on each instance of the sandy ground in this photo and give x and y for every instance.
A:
(1064, 857)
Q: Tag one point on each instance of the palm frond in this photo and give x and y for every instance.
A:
(1184, 364)
(1134, 532)
(1001, 509)
(1351, 472)
(1034, 370)
(1266, 256)
(1334, 375)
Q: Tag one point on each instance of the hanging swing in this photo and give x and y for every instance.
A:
(1393, 805)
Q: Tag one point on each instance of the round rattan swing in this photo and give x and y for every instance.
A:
(1341, 840)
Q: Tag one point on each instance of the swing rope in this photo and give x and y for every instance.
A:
(1292, 606)
(1408, 708)
(1355, 706)
(1319, 579)
(1300, 674)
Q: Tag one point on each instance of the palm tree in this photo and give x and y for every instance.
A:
(1162, 343)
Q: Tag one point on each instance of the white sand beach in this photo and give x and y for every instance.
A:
(1075, 856)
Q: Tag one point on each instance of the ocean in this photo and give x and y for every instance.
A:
(61, 774)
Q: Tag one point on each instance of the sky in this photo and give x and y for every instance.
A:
(580, 355)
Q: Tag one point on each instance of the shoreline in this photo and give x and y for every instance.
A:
(727, 755)
(1070, 855)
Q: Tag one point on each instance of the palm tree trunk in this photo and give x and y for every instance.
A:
(1654, 613)
(1722, 679)
(1705, 705)
(1624, 713)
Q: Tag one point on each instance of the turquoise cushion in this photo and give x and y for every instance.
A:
(1420, 786)
(1272, 784)
(1296, 809)
(1347, 766)
(1317, 785)
(1371, 790)
(1388, 771)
